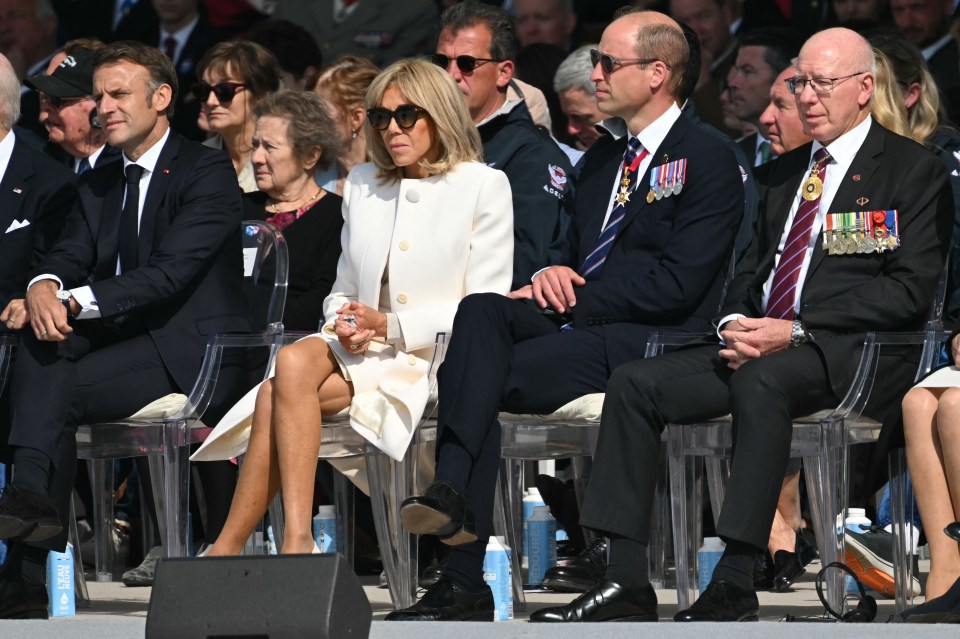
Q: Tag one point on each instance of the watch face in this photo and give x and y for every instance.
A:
(63, 296)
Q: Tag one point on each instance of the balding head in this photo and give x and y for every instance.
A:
(9, 95)
(658, 37)
(841, 63)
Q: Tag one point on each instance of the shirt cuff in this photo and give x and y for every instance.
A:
(394, 332)
(89, 308)
(724, 320)
(534, 276)
(46, 276)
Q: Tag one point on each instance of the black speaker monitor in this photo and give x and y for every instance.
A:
(284, 596)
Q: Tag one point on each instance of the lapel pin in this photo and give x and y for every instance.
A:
(666, 158)
(18, 191)
(862, 200)
(166, 170)
(856, 177)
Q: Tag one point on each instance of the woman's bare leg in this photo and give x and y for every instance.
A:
(921, 408)
(258, 483)
(786, 521)
(307, 384)
(948, 430)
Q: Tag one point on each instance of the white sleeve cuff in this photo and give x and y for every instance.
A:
(46, 276)
(89, 309)
(534, 276)
(724, 320)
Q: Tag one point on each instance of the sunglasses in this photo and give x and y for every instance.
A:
(59, 103)
(609, 64)
(466, 63)
(223, 90)
(405, 115)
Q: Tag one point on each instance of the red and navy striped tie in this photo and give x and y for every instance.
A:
(783, 293)
(593, 263)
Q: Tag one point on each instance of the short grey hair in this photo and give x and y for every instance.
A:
(9, 95)
(575, 71)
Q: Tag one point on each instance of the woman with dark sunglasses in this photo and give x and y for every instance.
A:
(233, 78)
(425, 224)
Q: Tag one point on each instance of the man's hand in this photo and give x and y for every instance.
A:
(554, 287)
(748, 338)
(48, 317)
(15, 315)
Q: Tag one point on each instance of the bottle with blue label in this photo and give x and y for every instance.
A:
(530, 501)
(856, 517)
(542, 535)
(497, 574)
(60, 583)
(325, 528)
(707, 558)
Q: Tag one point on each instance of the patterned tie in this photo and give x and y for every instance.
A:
(130, 219)
(593, 263)
(783, 293)
(764, 154)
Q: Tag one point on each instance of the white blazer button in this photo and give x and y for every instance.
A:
(402, 298)
(411, 359)
(413, 196)
(404, 245)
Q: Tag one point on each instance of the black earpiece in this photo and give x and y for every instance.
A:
(866, 610)
(94, 119)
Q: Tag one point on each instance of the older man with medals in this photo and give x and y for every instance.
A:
(791, 332)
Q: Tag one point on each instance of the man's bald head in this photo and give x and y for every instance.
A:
(9, 95)
(840, 44)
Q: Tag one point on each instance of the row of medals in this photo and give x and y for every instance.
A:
(848, 240)
(657, 191)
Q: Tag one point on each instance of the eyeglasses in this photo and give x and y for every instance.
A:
(609, 64)
(466, 63)
(820, 86)
(223, 90)
(59, 103)
(405, 115)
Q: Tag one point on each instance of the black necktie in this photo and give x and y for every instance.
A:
(129, 219)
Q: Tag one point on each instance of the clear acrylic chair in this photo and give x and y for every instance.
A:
(165, 429)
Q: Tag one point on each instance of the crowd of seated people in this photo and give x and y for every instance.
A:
(550, 227)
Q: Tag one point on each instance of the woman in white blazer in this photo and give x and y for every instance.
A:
(425, 224)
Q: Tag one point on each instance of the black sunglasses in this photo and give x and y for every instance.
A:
(609, 64)
(58, 103)
(223, 90)
(406, 115)
(466, 63)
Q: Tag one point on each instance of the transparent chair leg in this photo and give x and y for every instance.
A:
(901, 511)
(391, 483)
(685, 478)
(81, 596)
(717, 471)
(580, 467)
(834, 496)
(276, 519)
(510, 487)
(660, 529)
(502, 523)
(101, 481)
(343, 498)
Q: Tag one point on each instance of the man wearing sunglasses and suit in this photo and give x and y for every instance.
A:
(851, 238)
(477, 45)
(119, 312)
(657, 208)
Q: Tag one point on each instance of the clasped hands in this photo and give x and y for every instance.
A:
(553, 286)
(357, 324)
(747, 338)
(41, 310)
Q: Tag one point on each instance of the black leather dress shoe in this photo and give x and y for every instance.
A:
(722, 601)
(786, 568)
(582, 573)
(607, 601)
(440, 511)
(19, 600)
(953, 530)
(763, 571)
(27, 515)
(448, 601)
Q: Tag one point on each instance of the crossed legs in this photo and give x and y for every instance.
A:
(931, 423)
(283, 447)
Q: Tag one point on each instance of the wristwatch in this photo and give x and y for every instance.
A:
(798, 335)
(65, 297)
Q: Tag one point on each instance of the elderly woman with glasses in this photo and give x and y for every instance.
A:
(234, 77)
(425, 224)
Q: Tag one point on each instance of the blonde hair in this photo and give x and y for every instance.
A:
(344, 83)
(924, 117)
(429, 87)
(886, 106)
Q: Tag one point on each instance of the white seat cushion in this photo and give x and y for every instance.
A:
(586, 408)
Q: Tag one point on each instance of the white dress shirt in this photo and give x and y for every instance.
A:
(842, 151)
(181, 36)
(6, 150)
(89, 309)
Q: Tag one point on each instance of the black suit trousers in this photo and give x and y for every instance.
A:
(763, 396)
(100, 372)
(504, 354)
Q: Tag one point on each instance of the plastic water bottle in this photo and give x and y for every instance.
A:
(707, 558)
(325, 528)
(855, 518)
(271, 541)
(497, 573)
(60, 583)
(542, 535)
(530, 501)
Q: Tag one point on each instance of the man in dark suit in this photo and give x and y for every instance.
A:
(148, 265)
(105, 20)
(632, 261)
(792, 329)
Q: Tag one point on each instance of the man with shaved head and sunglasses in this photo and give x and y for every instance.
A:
(657, 208)
(851, 238)
(477, 46)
